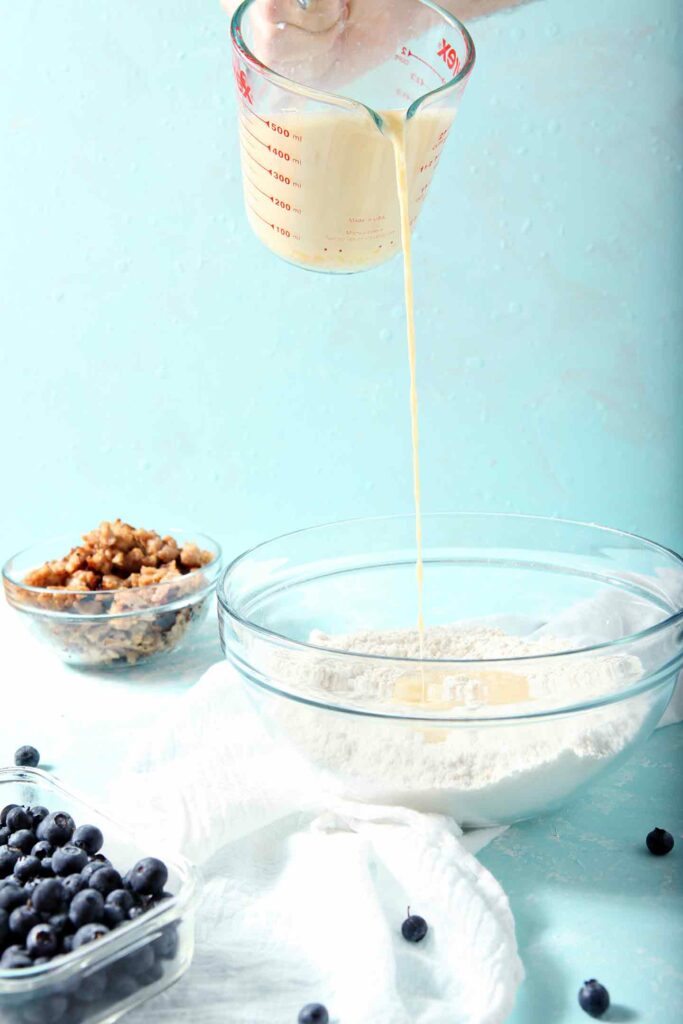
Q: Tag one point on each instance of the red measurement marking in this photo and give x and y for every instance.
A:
(409, 53)
(254, 185)
(258, 164)
(261, 119)
(449, 56)
(268, 222)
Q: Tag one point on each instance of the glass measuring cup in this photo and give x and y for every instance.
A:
(316, 121)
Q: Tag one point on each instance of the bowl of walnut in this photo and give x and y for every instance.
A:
(120, 595)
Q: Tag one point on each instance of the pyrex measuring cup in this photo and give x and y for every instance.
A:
(317, 158)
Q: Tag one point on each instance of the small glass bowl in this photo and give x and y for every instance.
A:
(518, 736)
(104, 980)
(112, 628)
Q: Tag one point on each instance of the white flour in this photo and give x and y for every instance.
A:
(478, 772)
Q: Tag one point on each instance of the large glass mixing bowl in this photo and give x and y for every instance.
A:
(597, 615)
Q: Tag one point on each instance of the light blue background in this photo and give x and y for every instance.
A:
(159, 364)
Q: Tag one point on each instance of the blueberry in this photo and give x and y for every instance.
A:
(5, 811)
(414, 928)
(122, 985)
(27, 757)
(46, 868)
(11, 896)
(42, 940)
(89, 933)
(68, 943)
(314, 1013)
(91, 988)
(86, 907)
(18, 818)
(26, 869)
(4, 927)
(21, 921)
(95, 863)
(69, 860)
(89, 838)
(49, 897)
(57, 828)
(166, 946)
(153, 974)
(594, 998)
(13, 958)
(49, 1008)
(8, 860)
(113, 916)
(659, 842)
(106, 880)
(60, 922)
(42, 850)
(73, 884)
(23, 840)
(120, 898)
(4, 836)
(37, 814)
(149, 876)
(139, 962)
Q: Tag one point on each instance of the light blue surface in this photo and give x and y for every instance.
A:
(158, 363)
(590, 901)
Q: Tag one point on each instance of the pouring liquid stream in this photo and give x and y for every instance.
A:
(396, 128)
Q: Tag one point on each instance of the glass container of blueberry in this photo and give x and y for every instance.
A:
(91, 923)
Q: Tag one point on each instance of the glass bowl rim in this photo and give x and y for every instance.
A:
(214, 566)
(606, 645)
(120, 938)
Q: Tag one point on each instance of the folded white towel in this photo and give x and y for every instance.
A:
(304, 895)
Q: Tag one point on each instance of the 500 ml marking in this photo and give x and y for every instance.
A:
(273, 125)
(275, 150)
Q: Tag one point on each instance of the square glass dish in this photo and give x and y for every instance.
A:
(102, 981)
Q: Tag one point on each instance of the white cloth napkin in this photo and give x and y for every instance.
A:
(304, 896)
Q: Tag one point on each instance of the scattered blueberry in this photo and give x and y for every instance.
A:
(106, 880)
(27, 757)
(26, 868)
(414, 928)
(57, 828)
(4, 812)
(42, 941)
(49, 897)
(8, 859)
(37, 814)
(149, 876)
(593, 998)
(659, 842)
(18, 818)
(21, 921)
(89, 838)
(69, 859)
(23, 840)
(89, 933)
(86, 907)
(314, 1013)
(42, 850)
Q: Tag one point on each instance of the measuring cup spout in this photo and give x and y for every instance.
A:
(316, 125)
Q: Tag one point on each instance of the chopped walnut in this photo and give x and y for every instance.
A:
(117, 555)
